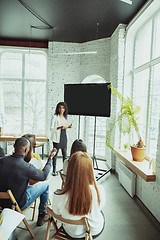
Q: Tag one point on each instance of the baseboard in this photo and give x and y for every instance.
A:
(147, 212)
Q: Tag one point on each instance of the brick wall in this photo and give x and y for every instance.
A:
(63, 69)
(149, 193)
(116, 78)
(109, 64)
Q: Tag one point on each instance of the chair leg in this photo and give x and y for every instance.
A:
(49, 201)
(17, 208)
(28, 227)
(48, 230)
(34, 209)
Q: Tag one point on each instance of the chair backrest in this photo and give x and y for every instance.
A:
(8, 195)
(82, 221)
(14, 206)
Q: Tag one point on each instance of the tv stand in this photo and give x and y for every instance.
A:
(102, 172)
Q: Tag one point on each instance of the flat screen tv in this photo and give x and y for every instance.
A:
(88, 99)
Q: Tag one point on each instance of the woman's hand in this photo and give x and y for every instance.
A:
(64, 127)
(53, 153)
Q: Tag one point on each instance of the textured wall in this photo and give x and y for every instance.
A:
(116, 78)
(149, 193)
(109, 64)
(63, 69)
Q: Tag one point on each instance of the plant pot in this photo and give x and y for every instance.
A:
(138, 154)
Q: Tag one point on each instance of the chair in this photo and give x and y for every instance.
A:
(15, 206)
(63, 178)
(60, 234)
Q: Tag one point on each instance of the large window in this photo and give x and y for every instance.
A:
(23, 91)
(146, 80)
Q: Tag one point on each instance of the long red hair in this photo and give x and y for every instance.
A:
(79, 177)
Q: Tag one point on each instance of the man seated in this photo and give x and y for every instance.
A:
(15, 174)
(1, 152)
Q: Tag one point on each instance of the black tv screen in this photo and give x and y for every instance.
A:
(88, 99)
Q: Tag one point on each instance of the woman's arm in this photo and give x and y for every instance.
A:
(64, 127)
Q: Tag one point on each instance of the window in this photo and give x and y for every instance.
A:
(146, 77)
(23, 91)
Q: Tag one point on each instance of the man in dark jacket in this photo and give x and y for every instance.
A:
(1, 152)
(15, 174)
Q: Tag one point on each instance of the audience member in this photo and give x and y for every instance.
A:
(77, 145)
(1, 152)
(15, 174)
(80, 197)
(30, 155)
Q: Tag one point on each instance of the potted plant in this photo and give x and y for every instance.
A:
(126, 120)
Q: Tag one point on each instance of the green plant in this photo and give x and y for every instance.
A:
(126, 145)
(126, 118)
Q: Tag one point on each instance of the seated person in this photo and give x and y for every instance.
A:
(80, 197)
(32, 156)
(77, 145)
(15, 174)
(1, 152)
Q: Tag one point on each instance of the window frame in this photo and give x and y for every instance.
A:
(23, 79)
(150, 66)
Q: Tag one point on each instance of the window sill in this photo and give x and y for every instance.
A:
(140, 168)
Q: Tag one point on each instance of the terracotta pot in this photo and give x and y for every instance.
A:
(138, 154)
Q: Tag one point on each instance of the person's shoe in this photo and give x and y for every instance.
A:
(54, 174)
(42, 219)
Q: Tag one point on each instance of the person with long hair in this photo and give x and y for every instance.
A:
(80, 197)
(58, 132)
(77, 145)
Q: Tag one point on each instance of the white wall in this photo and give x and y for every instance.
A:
(63, 69)
(116, 78)
(148, 193)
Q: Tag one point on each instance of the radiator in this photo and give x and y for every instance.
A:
(127, 178)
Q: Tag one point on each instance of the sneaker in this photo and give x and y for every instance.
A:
(54, 173)
(42, 219)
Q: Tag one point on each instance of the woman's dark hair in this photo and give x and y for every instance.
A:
(78, 145)
(65, 107)
(30, 138)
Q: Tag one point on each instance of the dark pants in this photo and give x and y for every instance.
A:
(64, 155)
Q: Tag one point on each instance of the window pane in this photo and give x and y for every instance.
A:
(156, 52)
(11, 65)
(101, 126)
(34, 107)
(12, 106)
(155, 109)
(143, 45)
(35, 66)
(100, 138)
(141, 99)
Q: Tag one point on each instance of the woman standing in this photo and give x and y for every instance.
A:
(58, 132)
(80, 197)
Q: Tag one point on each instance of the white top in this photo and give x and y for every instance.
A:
(95, 218)
(56, 121)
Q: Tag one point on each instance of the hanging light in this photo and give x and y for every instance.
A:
(127, 1)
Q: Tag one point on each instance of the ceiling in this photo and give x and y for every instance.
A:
(69, 20)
